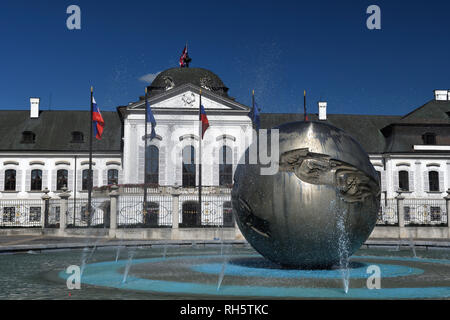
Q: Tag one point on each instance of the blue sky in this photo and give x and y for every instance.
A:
(279, 48)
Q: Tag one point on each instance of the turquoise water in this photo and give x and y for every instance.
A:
(42, 275)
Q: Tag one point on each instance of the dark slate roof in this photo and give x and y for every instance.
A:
(401, 138)
(366, 129)
(432, 110)
(176, 77)
(53, 130)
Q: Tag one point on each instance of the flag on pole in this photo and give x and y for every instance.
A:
(183, 57)
(150, 119)
(97, 120)
(204, 120)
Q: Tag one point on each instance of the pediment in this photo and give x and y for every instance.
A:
(187, 97)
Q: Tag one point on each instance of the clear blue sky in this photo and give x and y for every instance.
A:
(279, 48)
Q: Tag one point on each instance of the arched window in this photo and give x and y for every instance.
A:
(113, 176)
(36, 180)
(226, 166)
(85, 178)
(152, 165)
(403, 180)
(61, 179)
(433, 180)
(10, 180)
(189, 169)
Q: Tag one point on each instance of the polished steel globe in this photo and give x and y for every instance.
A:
(323, 200)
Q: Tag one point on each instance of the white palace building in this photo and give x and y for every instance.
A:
(49, 150)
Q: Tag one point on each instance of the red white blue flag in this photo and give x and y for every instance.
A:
(97, 120)
(183, 57)
(204, 120)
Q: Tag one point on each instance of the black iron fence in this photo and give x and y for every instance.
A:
(215, 211)
(156, 212)
(388, 213)
(425, 212)
(78, 215)
(21, 213)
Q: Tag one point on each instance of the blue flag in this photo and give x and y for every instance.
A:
(151, 119)
(254, 115)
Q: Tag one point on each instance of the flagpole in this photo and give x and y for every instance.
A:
(200, 156)
(253, 105)
(304, 106)
(145, 153)
(90, 161)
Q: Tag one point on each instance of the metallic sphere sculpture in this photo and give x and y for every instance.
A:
(325, 196)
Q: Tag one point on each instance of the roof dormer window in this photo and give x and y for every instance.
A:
(77, 137)
(429, 138)
(28, 137)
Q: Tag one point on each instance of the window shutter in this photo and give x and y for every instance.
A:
(215, 167)
(95, 177)
(162, 166)
(396, 187)
(19, 180)
(70, 180)
(179, 170)
(45, 180)
(141, 160)
(53, 184)
(411, 180)
(27, 180)
(80, 179)
(383, 180)
(105, 177)
(441, 181)
(2, 180)
(426, 183)
(121, 177)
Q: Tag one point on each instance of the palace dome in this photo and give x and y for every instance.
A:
(176, 77)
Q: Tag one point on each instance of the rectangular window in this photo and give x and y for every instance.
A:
(36, 180)
(113, 177)
(10, 180)
(61, 179)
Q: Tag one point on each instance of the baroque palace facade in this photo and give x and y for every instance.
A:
(49, 149)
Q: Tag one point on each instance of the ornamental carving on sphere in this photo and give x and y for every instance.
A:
(188, 99)
(168, 82)
(206, 83)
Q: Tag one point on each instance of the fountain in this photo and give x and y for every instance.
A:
(306, 223)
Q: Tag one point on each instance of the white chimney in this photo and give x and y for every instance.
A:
(322, 111)
(442, 95)
(34, 108)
